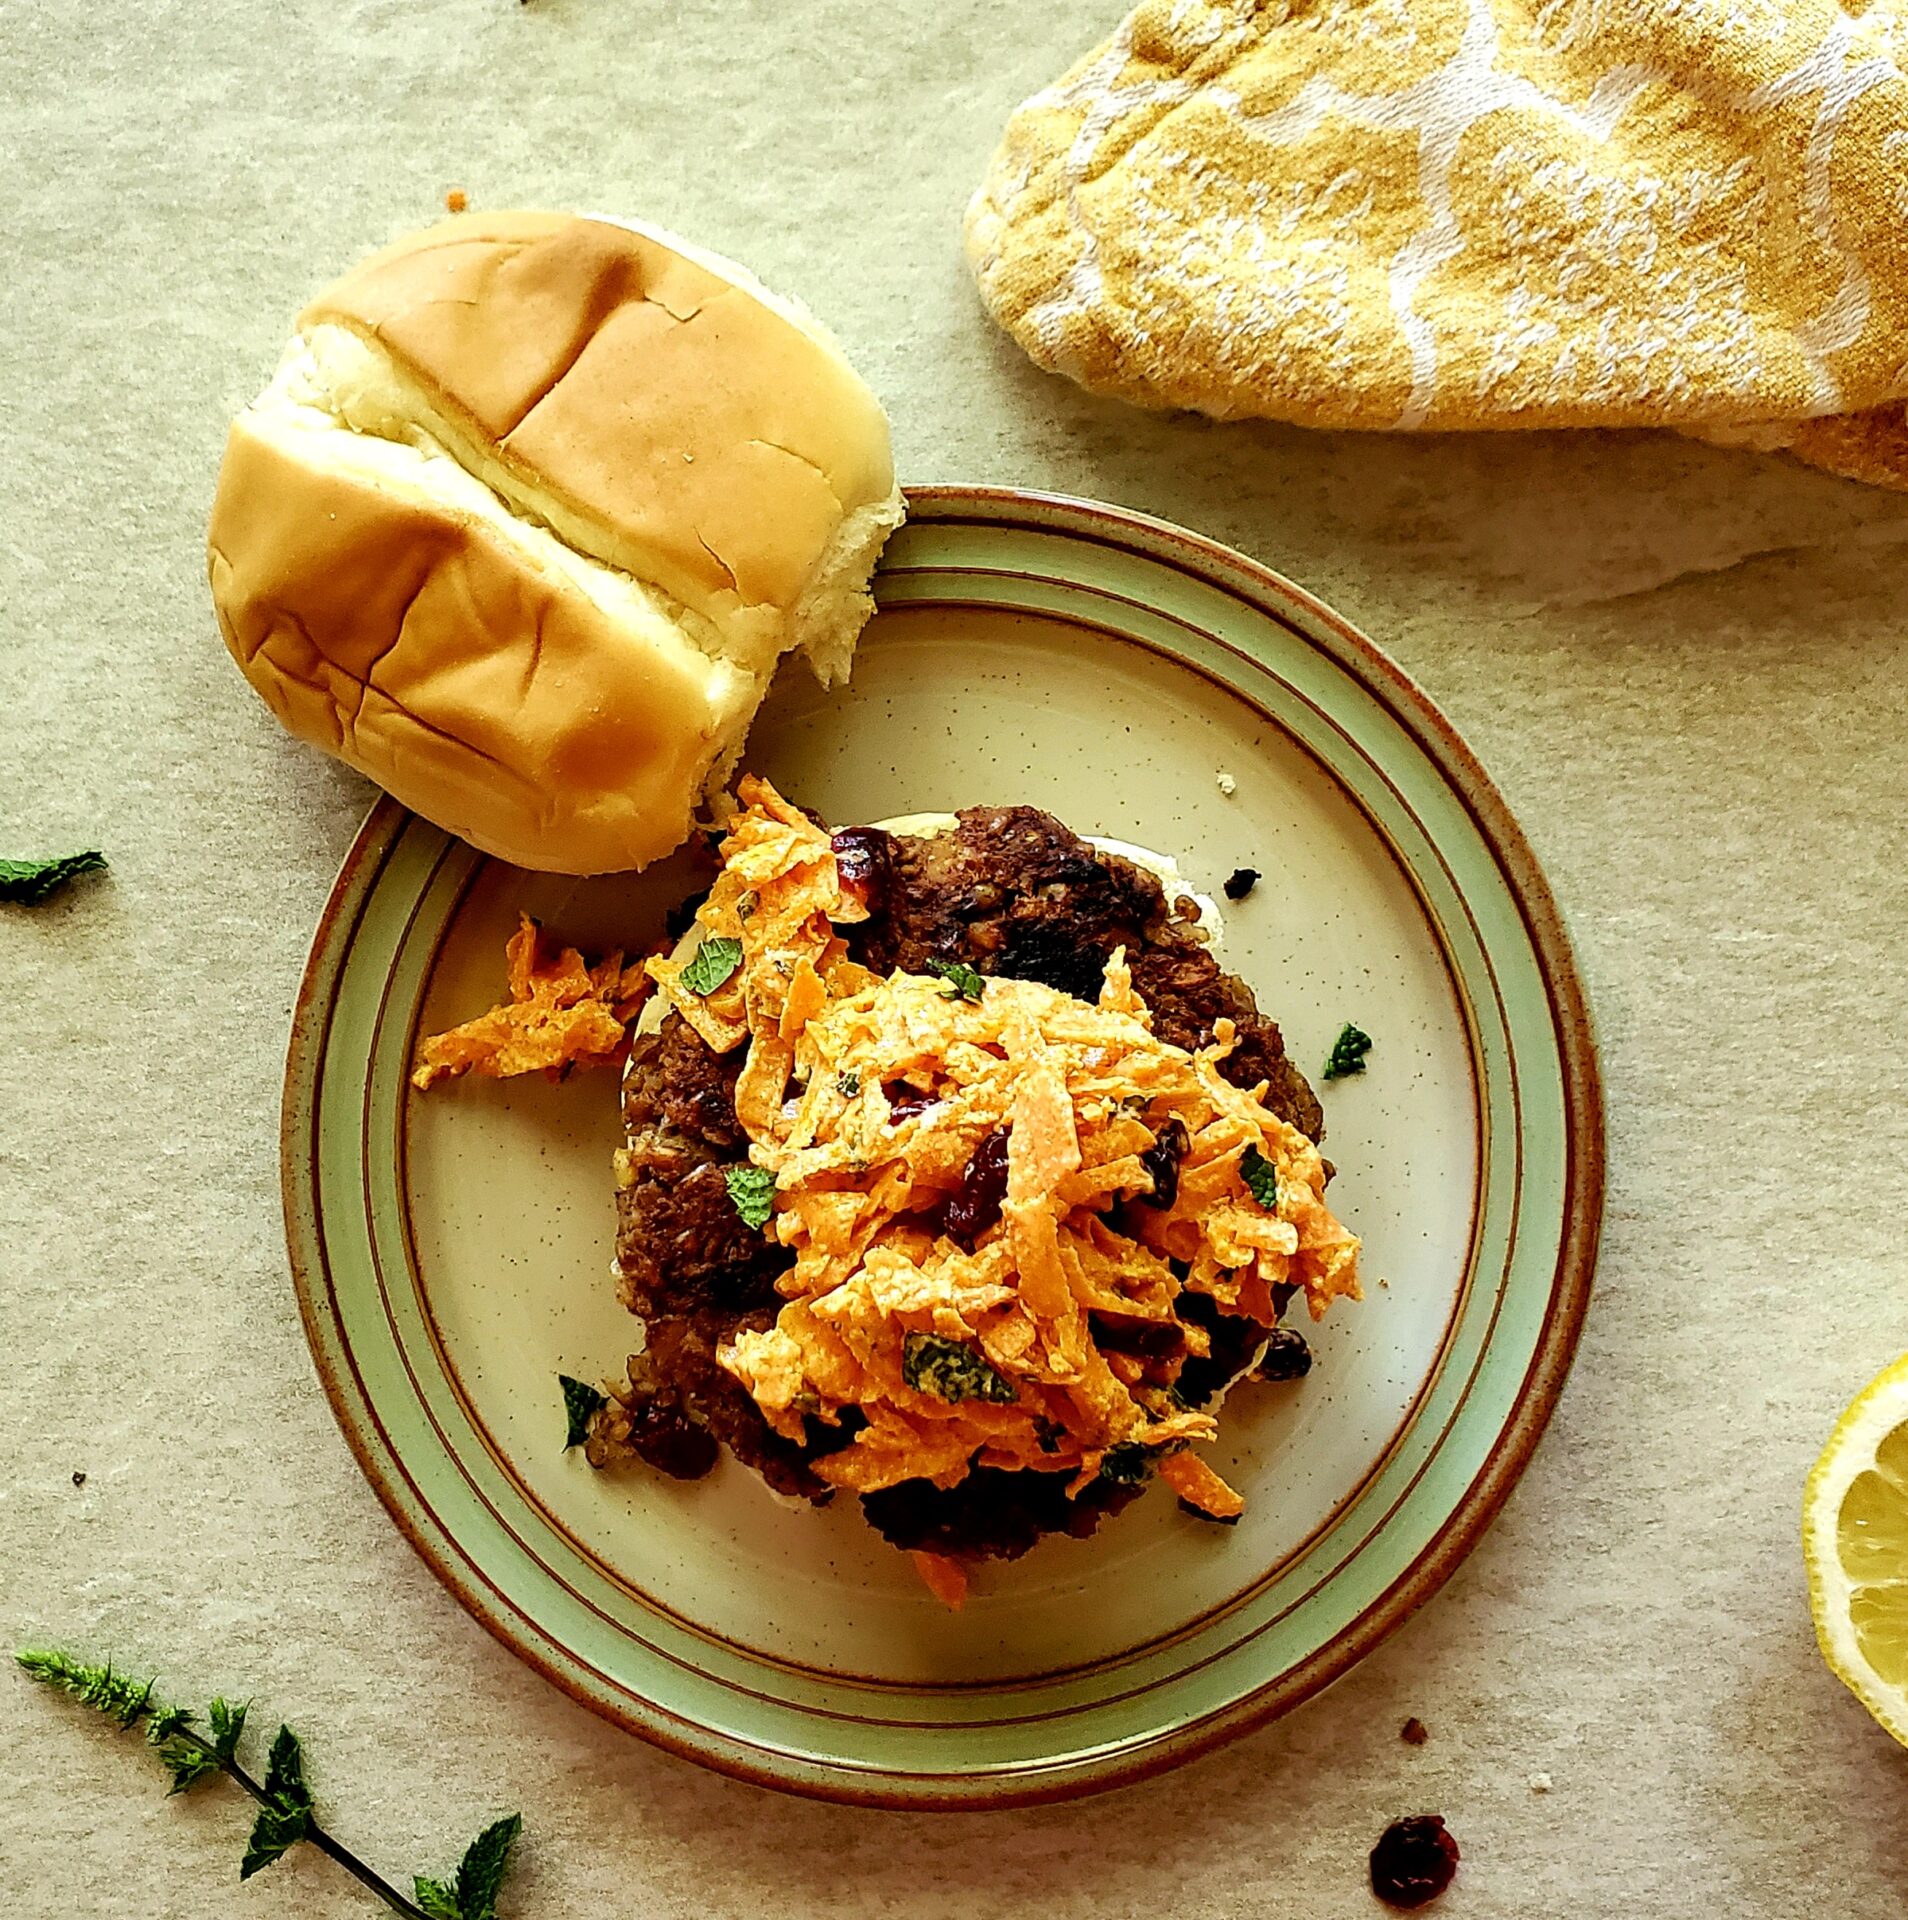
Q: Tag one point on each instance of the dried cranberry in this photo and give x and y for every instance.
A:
(1243, 880)
(864, 858)
(904, 1101)
(975, 1205)
(670, 1441)
(1287, 1357)
(1414, 1861)
(1161, 1161)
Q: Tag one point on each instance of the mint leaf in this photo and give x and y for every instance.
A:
(285, 1771)
(713, 962)
(166, 1722)
(188, 1764)
(963, 983)
(287, 1820)
(227, 1724)
(581, 1404)
(753, 1191)
(480, 1874)
(437, 1900)
(953, 1371)
(1348, 1053)
(1127, 1464)
(1261, 1178)
(275, 1832)
(26, 883)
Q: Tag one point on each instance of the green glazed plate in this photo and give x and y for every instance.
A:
(453, 1251)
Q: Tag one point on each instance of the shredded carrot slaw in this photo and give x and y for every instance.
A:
(1015, 1375)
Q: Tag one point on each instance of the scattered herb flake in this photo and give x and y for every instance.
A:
(752, 1189)
(1261, 1178)
(1348, 1053)
(25, 883)
(711, 964)
(848, 1084)
(953, 1371)
(581, 1404)
(746, 904)
(1241, 882)
(963, 983)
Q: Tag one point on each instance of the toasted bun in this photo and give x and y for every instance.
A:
(528, 516)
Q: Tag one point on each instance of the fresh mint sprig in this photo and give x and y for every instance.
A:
(286, 1812)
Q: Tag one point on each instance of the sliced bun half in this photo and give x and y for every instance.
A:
(528, 516)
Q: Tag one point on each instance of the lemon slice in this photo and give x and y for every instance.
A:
(1855, 1545)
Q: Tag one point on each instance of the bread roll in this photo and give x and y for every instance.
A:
(528, 516)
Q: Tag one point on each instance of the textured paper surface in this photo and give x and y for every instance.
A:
(1684, 665)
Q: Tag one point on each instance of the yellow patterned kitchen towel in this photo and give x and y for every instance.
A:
(1476, 214)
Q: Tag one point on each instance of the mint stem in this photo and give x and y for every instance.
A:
(319, 1838)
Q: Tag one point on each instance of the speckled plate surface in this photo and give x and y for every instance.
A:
(453, 1252)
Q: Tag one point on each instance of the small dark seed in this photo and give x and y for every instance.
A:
(1243, 880)
(1414, 1733)
(1287, 1357)
(1161, 1161)
(79, 1479)
(1414, 1861)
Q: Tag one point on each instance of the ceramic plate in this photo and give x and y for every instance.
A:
(453, 1251)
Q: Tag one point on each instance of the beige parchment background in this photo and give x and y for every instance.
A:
(1684, 666)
